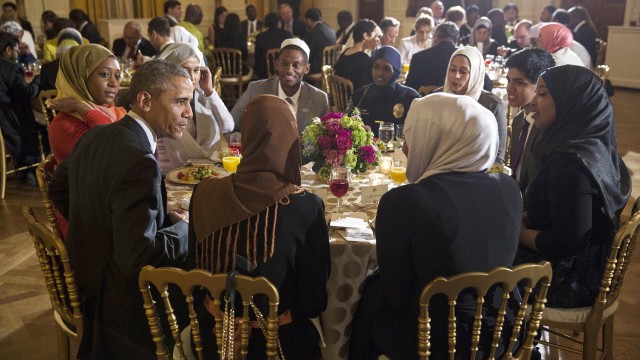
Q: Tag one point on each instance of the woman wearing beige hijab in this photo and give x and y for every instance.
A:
(87, 83)
(259, 221)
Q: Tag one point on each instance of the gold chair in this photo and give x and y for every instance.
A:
(330, 55)
(601, 50)
(217, 87)
(48, 113)
(533, 276)
(600, 316)
(426, 89)
(230, 60)
(246, 286)
(326, 71)
(341, 90)
(43, 175)
(603, 72)
(5, 158)
(272, 58)
(60, 281)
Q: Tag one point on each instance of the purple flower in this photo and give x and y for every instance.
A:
(343, 142)
(332, 115)
(324, 142)
(343, 133)
(367, 153)
(332, 126)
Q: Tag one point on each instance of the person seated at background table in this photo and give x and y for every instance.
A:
(205, 130)
(307, 100)
(271, 38)
(524, 67)
(384, 99)
(557, 40)
(131, 42)
(354, 63)
(389, 26)
(192, 18)
(481, 38)
(110, 189)
(48, 18)
(561, 16)
(522, 39)
(49, 48)
(456, 15)
(27, 54)
(584, 30)
(582, 184)
(252, 25)
(451, 218)
(318, 36)
(231, 38)
(429, 67)
(466, 76)
(268, 226)
(345, 24)
(420, 41)
(498, 22)
(546, 14)
(85, 26)
(67, 38)
(472, 14)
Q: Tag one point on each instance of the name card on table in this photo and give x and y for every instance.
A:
(372, 194)
(322, 193)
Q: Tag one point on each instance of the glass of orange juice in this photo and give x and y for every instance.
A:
(230, 163)
(398, 173)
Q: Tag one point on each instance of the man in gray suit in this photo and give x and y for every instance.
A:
(525, 66)
(293, 63)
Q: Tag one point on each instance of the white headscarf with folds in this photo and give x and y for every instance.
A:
(449, 133)
(476, 74)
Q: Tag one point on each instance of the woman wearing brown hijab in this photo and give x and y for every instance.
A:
(260, 222)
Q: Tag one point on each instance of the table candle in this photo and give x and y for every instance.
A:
(384, 163)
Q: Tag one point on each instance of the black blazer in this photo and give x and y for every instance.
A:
(429, 67)
(244, 30)
(528, 165)
(299, 28)
(586, 36)
(270, 39)
(90, 32)
(111, 191)
(318, 38)
(144, 46)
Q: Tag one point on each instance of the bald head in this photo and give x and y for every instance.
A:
(132, 33)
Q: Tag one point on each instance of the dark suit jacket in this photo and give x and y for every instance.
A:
(90, 32)
(270, 39)
(111, 191)
(48, 75)
(318, 38)
(144, 46)
(429, 67)
(244, 26)
(528, 165)
(299, 28)
(586, 36)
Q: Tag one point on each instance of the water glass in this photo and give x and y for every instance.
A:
(386, 132)
(400, 133)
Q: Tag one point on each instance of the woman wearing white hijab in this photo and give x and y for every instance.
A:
(466, 77)
(211, 119)
(459, 219)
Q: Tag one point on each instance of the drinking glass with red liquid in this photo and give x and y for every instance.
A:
(234, 142)
(339, 183)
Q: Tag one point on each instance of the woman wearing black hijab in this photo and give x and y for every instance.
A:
(575, 199)
(384, 99)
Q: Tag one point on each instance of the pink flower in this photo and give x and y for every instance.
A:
(324, 142)
(332, 126)
(343, 143)
(332, 115)
(331, 157)
(367, 153)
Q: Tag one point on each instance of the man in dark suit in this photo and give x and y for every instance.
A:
(252, 24)
(524, 68)
(112, 192)
(292, 65)
(583, 31)
(86, 27)
(272, 38)
(172, 12)
(290, 23)
(496, 15)
(429, 67)
(319, 36)
(127, 47)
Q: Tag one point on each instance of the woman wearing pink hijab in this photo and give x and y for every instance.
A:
(557, 39)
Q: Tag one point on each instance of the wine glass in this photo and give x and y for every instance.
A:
(339, 183)
(398, 173)
(386, 132)
(400, 134)
(234, 141)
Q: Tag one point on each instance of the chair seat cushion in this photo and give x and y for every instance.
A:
(575, 315)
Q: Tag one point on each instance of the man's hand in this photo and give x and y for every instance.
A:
(178, 214)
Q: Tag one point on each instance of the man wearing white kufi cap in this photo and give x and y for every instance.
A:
(293, 63)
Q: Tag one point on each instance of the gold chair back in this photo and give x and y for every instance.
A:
(48, 113)
(426, 89)
(5, 159)
(43, 175)
(326, 71)
(272, 58)
(601, 50)
(59, 278)
(246, 286)
(533, 276)
(603, 72)
(230, 60)
(216, 80)
(599, 316)
(341, 90)
(330, 54)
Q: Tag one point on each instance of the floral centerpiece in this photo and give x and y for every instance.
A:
(339, 139)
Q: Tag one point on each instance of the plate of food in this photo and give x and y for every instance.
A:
(194, 173)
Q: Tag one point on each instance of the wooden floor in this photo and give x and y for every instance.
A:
(27, 328)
